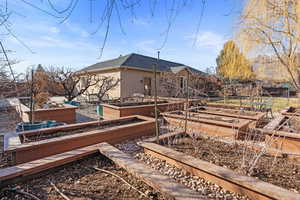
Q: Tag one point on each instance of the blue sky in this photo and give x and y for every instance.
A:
(72, 43)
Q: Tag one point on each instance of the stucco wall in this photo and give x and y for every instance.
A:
(132, 81)
(113, 93)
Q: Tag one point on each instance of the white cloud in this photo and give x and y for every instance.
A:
(43, 28)
(74, 28)
(208, 40)
(56, 42)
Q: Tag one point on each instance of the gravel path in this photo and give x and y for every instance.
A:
(211, 190)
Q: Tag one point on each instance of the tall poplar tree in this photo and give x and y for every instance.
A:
(232, 64)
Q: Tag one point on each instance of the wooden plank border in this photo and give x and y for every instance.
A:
(154, 179)
(23, 135)
(228, 179)
(212, 127)
(19, 172)
(284, 141)
(162, 183)
(35, 150)
(223, 112)
(115, 112)
(288, 111)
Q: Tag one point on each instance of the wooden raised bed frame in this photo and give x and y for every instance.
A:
(239, 114)
(209, 126)
(226, 178)
(288, 111)
(161, 183)
(65, 114)
(286, 142)
(229, 106)
(115, 112)
(35, 150)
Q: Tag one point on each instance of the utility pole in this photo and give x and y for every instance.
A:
(31, 97)
(155, 100)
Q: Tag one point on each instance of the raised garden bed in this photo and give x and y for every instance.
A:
(291, 111)
(114, 111)
(284, 134)
(80, 180)
(34, 136)
(240, 114)
(229, 106)
(66, 114)
(220, 163)
(194, 102)
(208, 123)
(161, 186)
(69, 137)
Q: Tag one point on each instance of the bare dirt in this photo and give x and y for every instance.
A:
(80, 181)
(43, 136)
(278, 171)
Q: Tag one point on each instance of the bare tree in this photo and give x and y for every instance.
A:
(8, 84)
(272, 27)
(71, 83)
(104, 85)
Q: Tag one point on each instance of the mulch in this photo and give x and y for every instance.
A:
(279, 171)
(80, 181)
(43, 136)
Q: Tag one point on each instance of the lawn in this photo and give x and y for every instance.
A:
(277, 103)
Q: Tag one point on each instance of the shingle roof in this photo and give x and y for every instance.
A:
(141, 62)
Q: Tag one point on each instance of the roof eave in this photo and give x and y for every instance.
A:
(99, 70)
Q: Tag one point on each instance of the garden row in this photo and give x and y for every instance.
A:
(211, 159)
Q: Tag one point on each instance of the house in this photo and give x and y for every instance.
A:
(136, 75)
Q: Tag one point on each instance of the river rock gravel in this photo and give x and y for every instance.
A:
(211, 190)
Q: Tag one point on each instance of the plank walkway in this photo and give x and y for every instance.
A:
(162, 183)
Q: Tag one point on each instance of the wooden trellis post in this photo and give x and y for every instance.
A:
(187, 101)
(155, 100)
